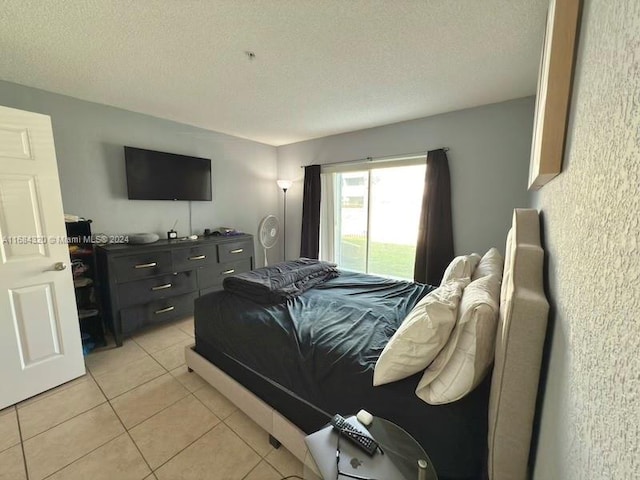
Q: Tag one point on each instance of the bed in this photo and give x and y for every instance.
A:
(290, 366)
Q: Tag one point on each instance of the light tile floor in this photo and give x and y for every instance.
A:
(137, 414)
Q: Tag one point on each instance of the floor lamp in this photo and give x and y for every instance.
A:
(284, 185)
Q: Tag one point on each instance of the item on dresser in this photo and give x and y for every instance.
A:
(172, 234)
(148, 284)
(70, 218)
(143, 238)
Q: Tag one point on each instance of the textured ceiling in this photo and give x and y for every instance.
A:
(321, 67)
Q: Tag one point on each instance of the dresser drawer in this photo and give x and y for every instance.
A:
(193, 257)
(214, 275)
(150, 289)
(133, 318)
(142, 265)
(230, 252)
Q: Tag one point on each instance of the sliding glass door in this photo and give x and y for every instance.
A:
(377, 212)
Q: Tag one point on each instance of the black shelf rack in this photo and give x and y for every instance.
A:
(85, 278)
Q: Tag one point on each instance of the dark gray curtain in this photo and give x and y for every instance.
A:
(434, 250)
(310, 242)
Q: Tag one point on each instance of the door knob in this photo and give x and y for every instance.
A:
(59, 266)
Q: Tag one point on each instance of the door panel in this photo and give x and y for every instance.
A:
(36, 324)
(40, 346)
(20, 219)
(14, 142)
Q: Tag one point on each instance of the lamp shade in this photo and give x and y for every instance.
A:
(284, 184)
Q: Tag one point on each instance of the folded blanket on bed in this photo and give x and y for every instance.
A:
(277, 283)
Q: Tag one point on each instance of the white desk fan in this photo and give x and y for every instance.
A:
(268, 231)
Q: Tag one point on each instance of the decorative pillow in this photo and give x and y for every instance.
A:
(460, 267)
(422, 334)
(467, 356)
(490, 264)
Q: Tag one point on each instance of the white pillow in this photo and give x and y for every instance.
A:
(490, 264)
(460, 267)
(467, 356)
(422, 334)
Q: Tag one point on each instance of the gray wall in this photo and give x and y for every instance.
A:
(590, 426)
(89, 138)
(489, 162)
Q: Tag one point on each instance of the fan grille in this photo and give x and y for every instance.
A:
(269, 231)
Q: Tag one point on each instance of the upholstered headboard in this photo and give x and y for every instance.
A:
(519, 344)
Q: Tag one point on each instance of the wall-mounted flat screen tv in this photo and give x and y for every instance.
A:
(166, 176)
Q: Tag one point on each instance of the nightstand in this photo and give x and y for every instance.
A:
(400, 449)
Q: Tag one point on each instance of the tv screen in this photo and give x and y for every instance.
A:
(166, 176)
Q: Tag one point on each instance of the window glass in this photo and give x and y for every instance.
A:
(377, 214)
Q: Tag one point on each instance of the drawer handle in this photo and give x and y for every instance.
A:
(164, 310)
(237, 250)
(198, 257)
(161, 287)
(229, 272)
(146, 265)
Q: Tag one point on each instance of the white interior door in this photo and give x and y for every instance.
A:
(40, 345)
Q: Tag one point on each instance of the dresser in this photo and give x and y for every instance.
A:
(143, 285)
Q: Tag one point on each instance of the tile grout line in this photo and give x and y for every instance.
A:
(127, 432)
(173, 344)
(274, 467)
(157, 413)
(183, 449)
(24, 455)
(99, 446)
(146, 353)
(256, 466)
(222, 420)
(107, 400)
(143, 383)
(132, 388)
(33, 400)
(81, 457)
(66, 420)
(71, 418)
(262, 457)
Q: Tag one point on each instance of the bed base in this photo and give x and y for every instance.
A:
(514, 386)
(281, 431)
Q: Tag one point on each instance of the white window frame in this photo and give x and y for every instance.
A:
(330, 223)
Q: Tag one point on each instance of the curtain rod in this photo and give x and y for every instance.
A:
(376, 159)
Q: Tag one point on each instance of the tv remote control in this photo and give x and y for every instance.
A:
(359, 438)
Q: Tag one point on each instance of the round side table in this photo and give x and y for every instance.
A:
(400, 447)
